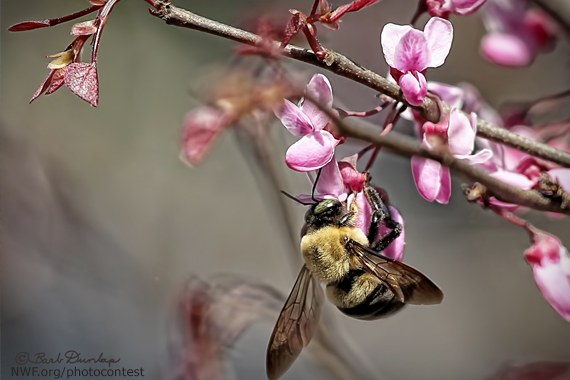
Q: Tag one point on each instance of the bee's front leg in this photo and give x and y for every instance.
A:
(381, 213)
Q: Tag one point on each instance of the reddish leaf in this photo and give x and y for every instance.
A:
(52, 83)
(81, 78)
(29, 25)
(85, 28)
(297, 21)
(351, 7)
(56, 81)
(43, 86)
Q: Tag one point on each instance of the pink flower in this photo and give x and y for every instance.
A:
(473, 101)
(516, 34)
(201, 128)
(453, 96)
(338, 180)
(331, 183)
(550, 263)
(316, 147)
(351, 177)
(409, 52)
(443, 8)
(522, 170)
(455, 132)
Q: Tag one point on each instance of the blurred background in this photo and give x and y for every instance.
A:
(103, 225)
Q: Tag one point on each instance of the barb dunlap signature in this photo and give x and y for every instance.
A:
(67, 357)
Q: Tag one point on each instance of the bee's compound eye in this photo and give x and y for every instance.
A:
(326, 206)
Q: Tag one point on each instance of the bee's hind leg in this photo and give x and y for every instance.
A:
(381, 213)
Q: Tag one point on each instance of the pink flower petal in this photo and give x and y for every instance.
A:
(320, 90)
(474, 102)
(364, 215)
(294, 119)
(311, 152)
(427, 177)
(201, 127)
(514, 179)
(466, 7)
(351, 177)
(330, 181)
(439, 35)
(461, 133)
(396, 249)
(504, 16)
(550, 264)
(478, 158)
(507, 50)
(541, 28)
(452, 95)
(445, 189)
(414, 88)
(412, 53)
(390, 39)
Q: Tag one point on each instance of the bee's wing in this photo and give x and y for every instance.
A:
(408, 284)
(296, 324)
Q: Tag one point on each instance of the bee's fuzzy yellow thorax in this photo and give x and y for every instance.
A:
(325, 253)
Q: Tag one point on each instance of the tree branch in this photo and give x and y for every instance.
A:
(341, 65)
(409, 147)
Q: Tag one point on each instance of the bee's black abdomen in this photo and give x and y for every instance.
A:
(379, 304)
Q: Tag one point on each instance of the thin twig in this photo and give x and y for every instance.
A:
(59, 20)
(345, 67)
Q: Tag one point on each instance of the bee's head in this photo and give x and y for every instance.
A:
(327, 207)
(327, 211)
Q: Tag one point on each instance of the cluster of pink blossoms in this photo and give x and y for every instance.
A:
(315, 150)
(516, 33)
(409, 52)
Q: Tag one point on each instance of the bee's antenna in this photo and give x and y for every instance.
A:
(315, 186)
(294, 198)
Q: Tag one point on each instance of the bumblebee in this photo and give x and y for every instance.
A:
(360, 281)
